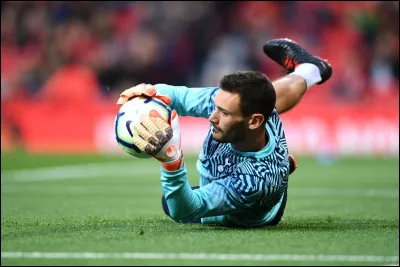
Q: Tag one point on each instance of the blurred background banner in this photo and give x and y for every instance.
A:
(63, 65)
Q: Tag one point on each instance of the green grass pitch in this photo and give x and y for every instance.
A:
(91, 209)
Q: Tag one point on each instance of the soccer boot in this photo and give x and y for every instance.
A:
(289, 55)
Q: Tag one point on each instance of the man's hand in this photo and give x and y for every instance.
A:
(142, 89)
(160, 139)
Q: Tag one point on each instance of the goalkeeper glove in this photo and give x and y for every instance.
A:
(160, 139)
(142, 89)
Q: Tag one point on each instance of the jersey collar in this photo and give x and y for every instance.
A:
(265, 151)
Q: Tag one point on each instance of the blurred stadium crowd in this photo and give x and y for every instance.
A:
(93, 50)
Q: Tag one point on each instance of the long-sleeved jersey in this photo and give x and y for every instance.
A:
(236, 188)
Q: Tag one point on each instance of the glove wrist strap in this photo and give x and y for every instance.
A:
(174, 166)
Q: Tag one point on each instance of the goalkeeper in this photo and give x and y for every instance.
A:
(244, 164)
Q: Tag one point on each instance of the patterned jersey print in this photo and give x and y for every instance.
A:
(257, 183)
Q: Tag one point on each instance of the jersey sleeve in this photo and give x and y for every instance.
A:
(190, 101)
(220, 197)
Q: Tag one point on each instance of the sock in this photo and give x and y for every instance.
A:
(309, 72)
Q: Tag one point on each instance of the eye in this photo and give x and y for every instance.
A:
(220, 111)
(224, 113)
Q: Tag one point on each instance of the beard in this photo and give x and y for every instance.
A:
(235, 133)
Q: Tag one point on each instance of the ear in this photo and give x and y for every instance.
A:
(256, 121)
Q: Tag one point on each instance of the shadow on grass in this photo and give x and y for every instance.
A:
(322, 224)
(158, 224)
(335, 224)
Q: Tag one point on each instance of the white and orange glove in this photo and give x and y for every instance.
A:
(160, 139)
(142, 89)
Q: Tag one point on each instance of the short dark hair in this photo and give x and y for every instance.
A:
(257, 94)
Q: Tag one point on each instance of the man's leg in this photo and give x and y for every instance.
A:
(304, 70)
(289, 90)
(166, 209)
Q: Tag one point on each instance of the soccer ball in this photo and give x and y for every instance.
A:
(129, 114)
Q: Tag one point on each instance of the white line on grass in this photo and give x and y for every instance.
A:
(200, 256)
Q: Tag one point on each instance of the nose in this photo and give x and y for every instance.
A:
(213, 118)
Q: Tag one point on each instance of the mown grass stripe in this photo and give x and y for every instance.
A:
(93, 170)
(127, 169)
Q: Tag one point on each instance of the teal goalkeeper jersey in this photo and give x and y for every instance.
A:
(236, 188)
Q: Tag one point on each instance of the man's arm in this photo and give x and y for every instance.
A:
(194, 102)
(220, 197)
